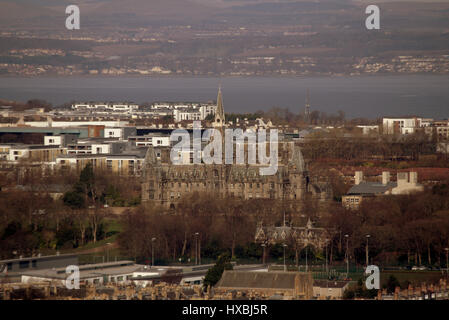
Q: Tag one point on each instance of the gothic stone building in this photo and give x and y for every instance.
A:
(165, 183)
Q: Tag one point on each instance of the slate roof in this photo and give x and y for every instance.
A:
(258, 280)
(371, 188)
(89, 271)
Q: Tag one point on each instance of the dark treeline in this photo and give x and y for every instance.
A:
(33, 220)
(367, 148)
(33, 103)
(403, 229)
(224, 225)
(283, 116)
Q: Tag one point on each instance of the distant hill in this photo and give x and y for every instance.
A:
(153, 8)
(48, 13)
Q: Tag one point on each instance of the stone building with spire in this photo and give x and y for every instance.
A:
(165, 183)
(219, 120)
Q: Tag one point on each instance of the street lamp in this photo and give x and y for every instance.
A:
(285, 266)
(152, 251)
(347, 255)
(196, 247)
(327, 270)
(263, 253)
(367, 252)
(307, 265)
(107, 250)
(447, 266)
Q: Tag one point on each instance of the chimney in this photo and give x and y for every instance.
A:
(414, 178)
(385, 177)
(402, 178)
(358, 177)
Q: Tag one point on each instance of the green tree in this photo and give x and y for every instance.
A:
(214, 274)
(392, 283)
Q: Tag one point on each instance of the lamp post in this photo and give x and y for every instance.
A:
(107, 251)
(285, 266)
(263, 253)
(327, 270)
(367, 250)
(447, 260)
(196, 247)
(307, 265)
(347, 255)
(152, 251)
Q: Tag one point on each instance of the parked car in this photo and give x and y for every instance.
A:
(422, 268)
(415, 268)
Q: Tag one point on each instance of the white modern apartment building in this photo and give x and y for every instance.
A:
(156, 140)
(186, 115)
(194, 113)
(401, 125)
(114, 106)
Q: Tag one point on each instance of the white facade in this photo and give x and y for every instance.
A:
(101, 148)
(368, 129)
(407, 183)
(52, 140)
(206, 110)
(60, 124)
(15, 153)
(119, 106)
(123, 107)
(160, 141)
(113, 133)
(182, 115)
(400, 125)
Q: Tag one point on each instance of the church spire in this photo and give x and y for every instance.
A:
(307, 108)
(219, 113)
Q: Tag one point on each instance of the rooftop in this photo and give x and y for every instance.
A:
(259, 280)
(59, 256)
(90, 270)
(371, 188)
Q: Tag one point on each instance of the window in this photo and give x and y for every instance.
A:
(34, 264)
(24, 264)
